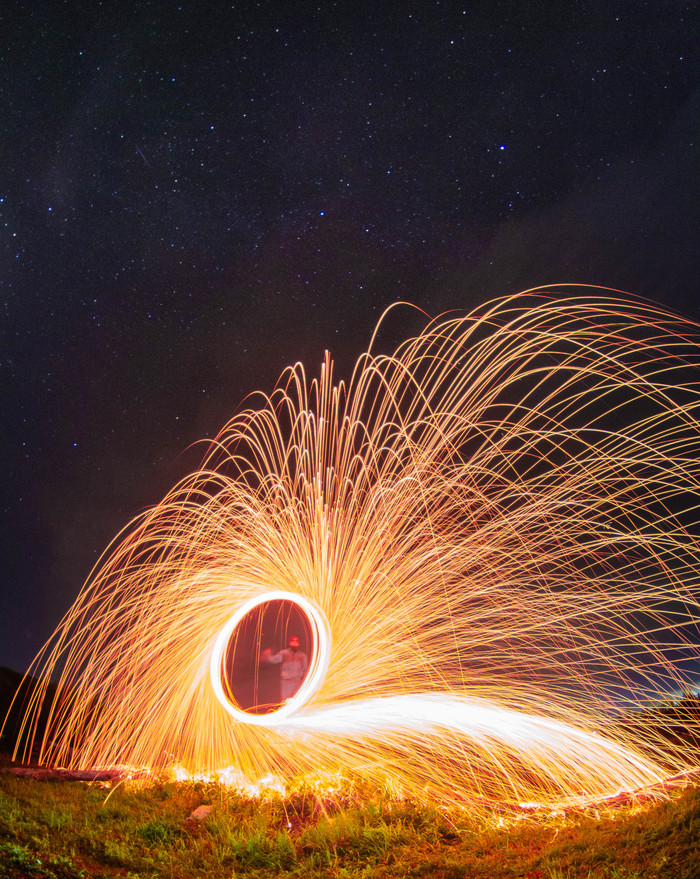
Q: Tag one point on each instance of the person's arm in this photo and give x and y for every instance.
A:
(266, 656)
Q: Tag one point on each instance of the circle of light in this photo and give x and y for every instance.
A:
(318, 665)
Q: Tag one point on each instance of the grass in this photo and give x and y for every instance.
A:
(64, 830)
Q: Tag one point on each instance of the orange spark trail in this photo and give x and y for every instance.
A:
(492, 534)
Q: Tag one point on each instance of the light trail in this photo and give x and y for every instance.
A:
(492, 533)
(320, 651)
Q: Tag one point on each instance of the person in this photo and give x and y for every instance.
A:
(294, 666)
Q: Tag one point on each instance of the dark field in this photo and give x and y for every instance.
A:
(68, 829)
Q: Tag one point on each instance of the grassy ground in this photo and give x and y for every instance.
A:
(70, 829)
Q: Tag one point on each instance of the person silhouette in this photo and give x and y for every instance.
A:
(294, 666)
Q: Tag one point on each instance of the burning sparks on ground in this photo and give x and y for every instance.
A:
(493, 532)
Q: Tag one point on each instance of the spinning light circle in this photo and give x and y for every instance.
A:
(318, 661)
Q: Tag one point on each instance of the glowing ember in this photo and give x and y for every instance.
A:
(491, 535)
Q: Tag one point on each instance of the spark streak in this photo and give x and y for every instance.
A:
(493, 532)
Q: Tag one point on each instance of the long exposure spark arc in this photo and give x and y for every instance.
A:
(492, 533)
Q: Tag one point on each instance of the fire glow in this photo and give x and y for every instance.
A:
(491, 536)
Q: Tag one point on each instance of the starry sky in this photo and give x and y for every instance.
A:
(195, 195)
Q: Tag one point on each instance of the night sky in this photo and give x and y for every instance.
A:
(195, 195)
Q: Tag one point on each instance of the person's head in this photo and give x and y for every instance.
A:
(294, 642)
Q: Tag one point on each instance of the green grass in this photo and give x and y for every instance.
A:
(63, 830)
